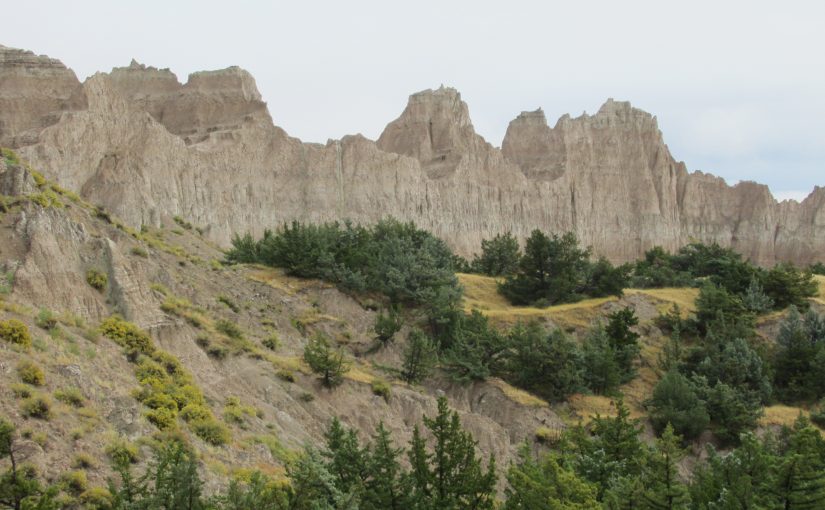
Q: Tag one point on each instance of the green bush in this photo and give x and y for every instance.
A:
(83, 461)
(229, 328)
(30, 373)
(211, 431)
(97, 279)
(74, 482)
(122, 452)
(15, 332)
(21, 390)
(128, 335)
(195, 412)
(286, 375)
(381, 388)
(70, 396)
(96, 498)
(675, 401)
(271, 342)
(139, 251)
(226, 300)
(162, 417)
(37, 406)
(46, 319)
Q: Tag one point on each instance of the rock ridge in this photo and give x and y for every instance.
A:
(148, 147)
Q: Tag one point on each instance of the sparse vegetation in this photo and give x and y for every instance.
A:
(15, 332)
(37, 406)
(30, 373)
(226, 300)
(97, 279)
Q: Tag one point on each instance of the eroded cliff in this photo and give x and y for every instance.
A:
(147, 147)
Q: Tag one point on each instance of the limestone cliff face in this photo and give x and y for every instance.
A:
(145, 146)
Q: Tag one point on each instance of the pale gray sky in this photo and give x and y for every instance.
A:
(738, 86)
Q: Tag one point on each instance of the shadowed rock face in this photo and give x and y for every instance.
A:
(146, 146)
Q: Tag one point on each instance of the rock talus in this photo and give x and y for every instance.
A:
(145, 146)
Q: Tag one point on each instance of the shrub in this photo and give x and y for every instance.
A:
(128, 335)
(46, 319)
(217, 351)
(139, 252)
(271, 342)
(387, 325)
(226, 300)
(15, 332)
(382, 389)
(286, 375)
(37, 406)
(96, 498)
(548, 436)
(675, 401)
(21, 390)
(325, 361)
(70, 396)
(97, 279)
(122, 452)
(229, 329)
(195, 412)
(306, 397)
(83, 461)
(74, 482)
(162, 417)
(211, 431)
(30, 373)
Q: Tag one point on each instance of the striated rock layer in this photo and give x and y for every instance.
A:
(146, 146)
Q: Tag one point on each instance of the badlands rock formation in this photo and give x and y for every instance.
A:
(144, 146)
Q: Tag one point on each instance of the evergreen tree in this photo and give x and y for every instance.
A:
(545, 484)
(387, 486)
(663, 489)
(545, 363)
(552, 270)
(734, 481)
(499, 256)
(451, 477)
(787, 285)
(716, 306)
(346, 460)
(798, 478)
(602, 374)
(314, 487)
(326, 362)
(419, 357)
(793, 370)
(676, 403)
(256, 493)
(387, 325)
(19, 486)
(624, 341)
(755, 299)
(476, 349)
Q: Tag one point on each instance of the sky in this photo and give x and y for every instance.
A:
(738, 87)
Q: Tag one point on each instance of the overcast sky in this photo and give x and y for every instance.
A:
(738, 86)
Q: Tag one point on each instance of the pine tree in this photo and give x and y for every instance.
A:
(624, 341)
(387, 486)
(675, 403)
(499, 256)
(19, 486)
(346, 460)
(314, 487)
(798, 478)
(387, 325)
(476, 350)
(419, 357)
(663, 490)
(544, 484)
(451, 477)
(602, 374)
(755, 299)
(326, 362)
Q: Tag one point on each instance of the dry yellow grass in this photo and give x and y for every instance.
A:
(520, 396)
(481, 293)
(821, 297)
(780, 415)
(360, 373)
(684, 297)
(277, 278)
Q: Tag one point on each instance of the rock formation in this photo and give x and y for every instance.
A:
(145, 146)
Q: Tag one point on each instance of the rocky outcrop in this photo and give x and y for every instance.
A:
(34, 92)
(146, 146)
